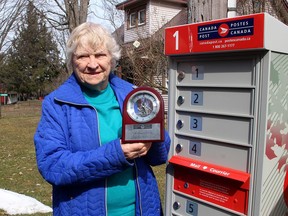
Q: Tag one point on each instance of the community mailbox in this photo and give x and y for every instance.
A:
(228, 117)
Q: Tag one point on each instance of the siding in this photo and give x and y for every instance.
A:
(160, 14)
(165, 98)
(158, 81)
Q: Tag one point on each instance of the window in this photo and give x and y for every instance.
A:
(137, 18)
(141, 17)
(133, 20)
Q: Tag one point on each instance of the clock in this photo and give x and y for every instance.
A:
(143, 106)
(143, 116)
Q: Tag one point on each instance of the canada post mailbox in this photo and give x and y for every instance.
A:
(228, 117)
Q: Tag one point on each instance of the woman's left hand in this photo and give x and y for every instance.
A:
(135, 150)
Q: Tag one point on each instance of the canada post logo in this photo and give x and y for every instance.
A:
(236, 28)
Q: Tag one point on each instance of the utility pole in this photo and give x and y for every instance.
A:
(189, 14)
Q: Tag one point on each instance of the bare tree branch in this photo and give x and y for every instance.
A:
(9, 15)
(106, 11)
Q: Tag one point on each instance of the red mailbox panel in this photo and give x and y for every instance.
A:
(245, 32)
(215, 184)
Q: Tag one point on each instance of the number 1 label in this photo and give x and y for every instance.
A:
(176, 36)
(197, 72)
(177, 40)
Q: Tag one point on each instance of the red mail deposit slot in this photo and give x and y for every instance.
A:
(222, 186)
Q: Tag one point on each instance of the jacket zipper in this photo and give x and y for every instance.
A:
(105, 183)
(138, 188)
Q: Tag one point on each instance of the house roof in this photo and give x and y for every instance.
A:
(118, 34)
(127, 3)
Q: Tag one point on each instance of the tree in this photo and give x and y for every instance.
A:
(64, 15)
(257, 6)
(67, 14)
(10, 12)
(33, 59)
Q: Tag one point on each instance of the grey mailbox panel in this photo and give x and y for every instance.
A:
(226, 101)
(217, 72)
(223, 154)
(187, 206)
(219, 128)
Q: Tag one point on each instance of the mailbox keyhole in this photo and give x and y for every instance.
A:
(181, 75)
(178, 148)
(180, 124)
(176, 205)
(180, 100)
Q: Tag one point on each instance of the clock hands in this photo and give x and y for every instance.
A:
(144, 107)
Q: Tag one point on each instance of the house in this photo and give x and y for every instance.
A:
(7, 97)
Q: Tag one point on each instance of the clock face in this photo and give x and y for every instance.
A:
(143, 106)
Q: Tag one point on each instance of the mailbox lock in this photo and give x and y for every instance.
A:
(181, 75)
(179, 148)
(180, 100)
(186, 185)
(176, 205)
(180, 124)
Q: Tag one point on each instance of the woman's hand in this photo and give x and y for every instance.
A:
(135, 150)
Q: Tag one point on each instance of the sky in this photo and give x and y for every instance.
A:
(14, 204)
(98, 15)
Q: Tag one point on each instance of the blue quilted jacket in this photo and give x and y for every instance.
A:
(71, 158)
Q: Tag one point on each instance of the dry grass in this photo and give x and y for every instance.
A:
(18, 171)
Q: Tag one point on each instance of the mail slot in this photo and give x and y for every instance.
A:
(222, 186)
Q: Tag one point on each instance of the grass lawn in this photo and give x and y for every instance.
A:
(18, 170)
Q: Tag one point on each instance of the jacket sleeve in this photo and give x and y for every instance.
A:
(158, 153)
(59, 165)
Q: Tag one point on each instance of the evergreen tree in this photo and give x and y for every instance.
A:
(33, 60)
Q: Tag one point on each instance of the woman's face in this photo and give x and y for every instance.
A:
(91, 67)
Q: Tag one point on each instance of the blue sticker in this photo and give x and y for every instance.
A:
(191, 208)
(196, 123)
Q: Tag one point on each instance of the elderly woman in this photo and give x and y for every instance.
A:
(78, 139)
